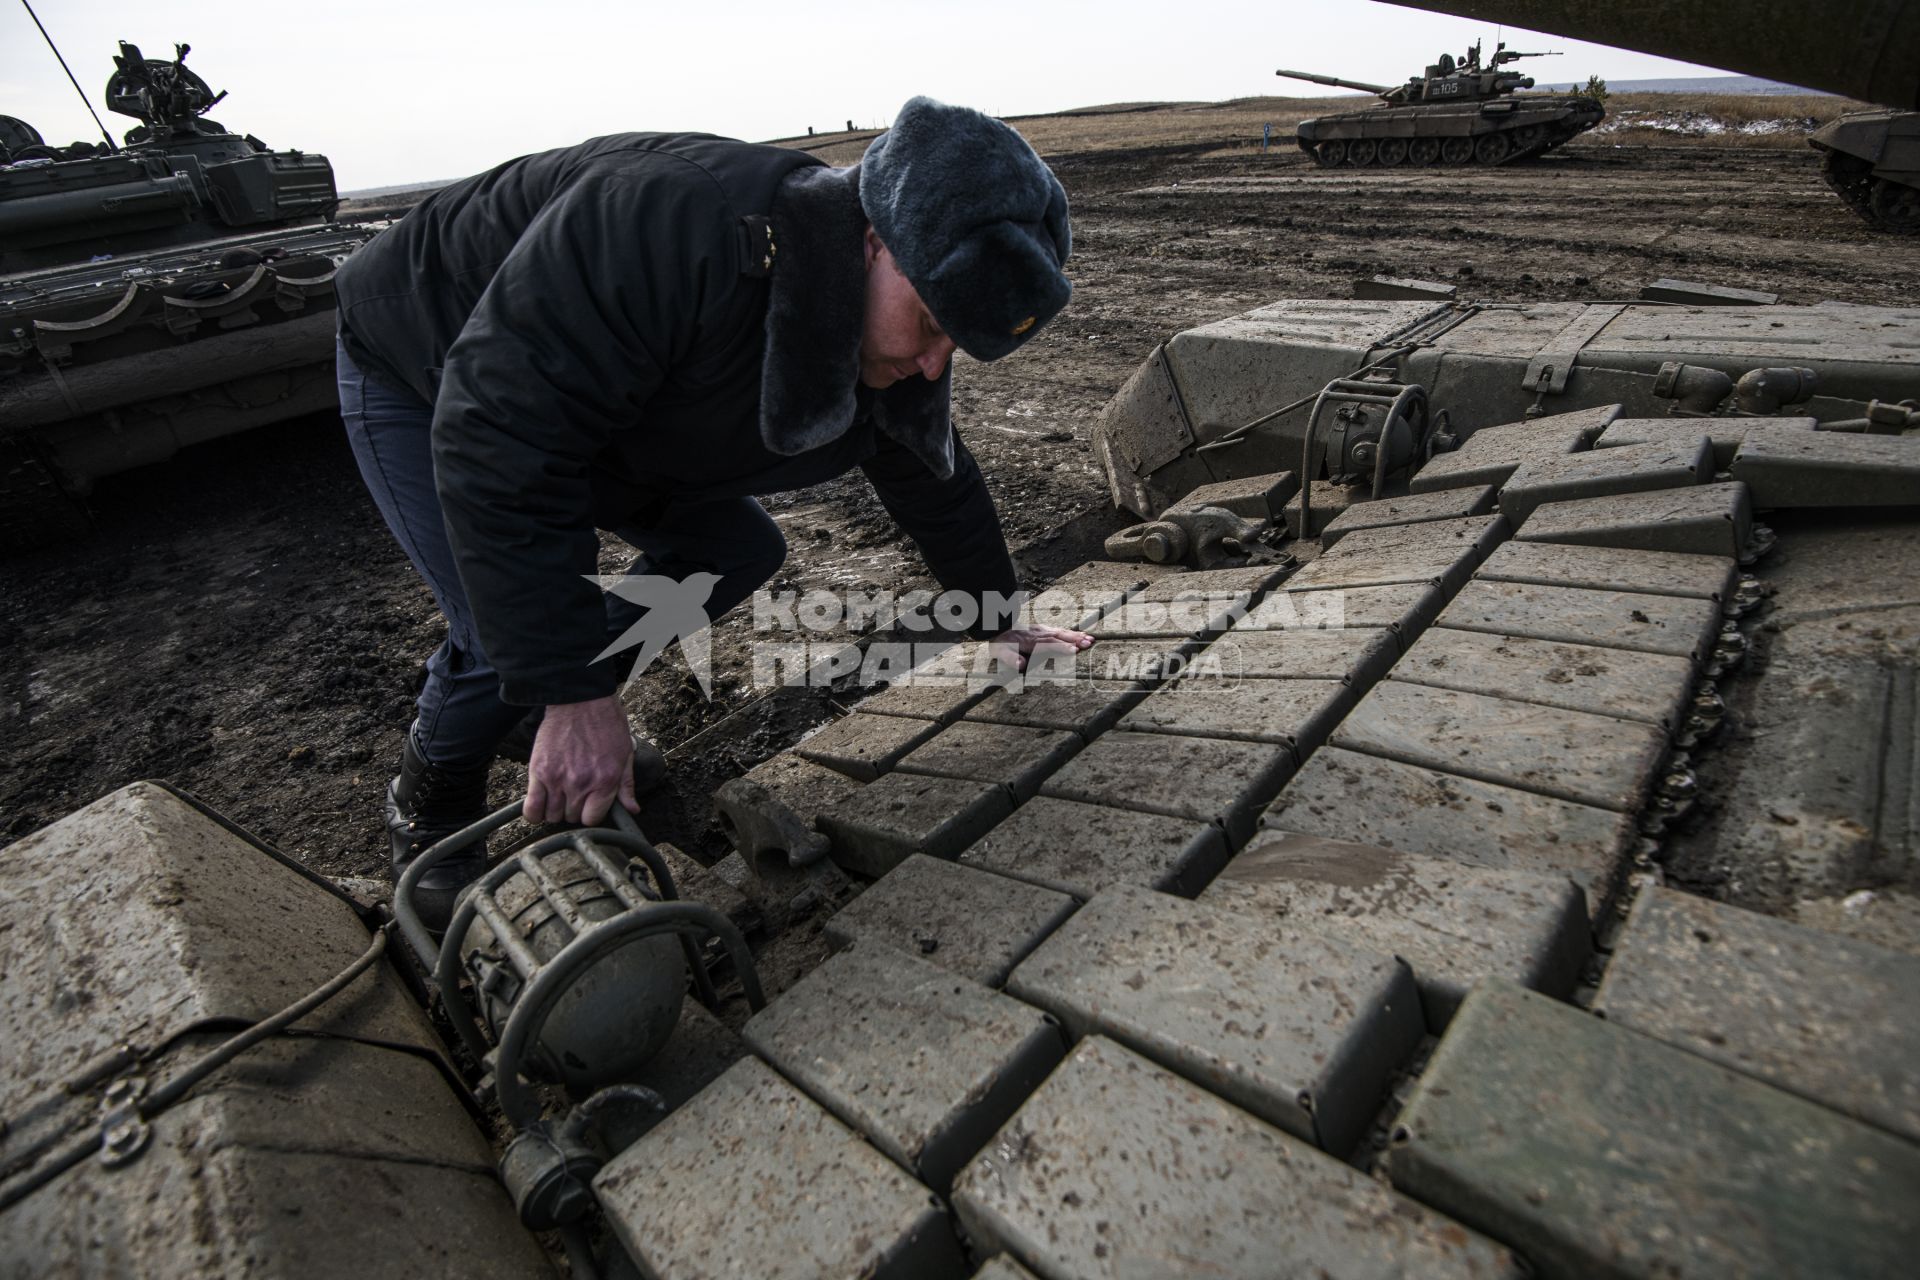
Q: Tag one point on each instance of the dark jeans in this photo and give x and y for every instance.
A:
(460, 718)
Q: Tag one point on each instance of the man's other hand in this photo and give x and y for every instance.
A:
(582, 761)
(1013, 645)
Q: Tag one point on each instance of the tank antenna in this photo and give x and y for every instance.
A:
(76, 84)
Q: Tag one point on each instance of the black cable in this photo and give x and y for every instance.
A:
(76, 84)
(159, 1100)
(175, 1089)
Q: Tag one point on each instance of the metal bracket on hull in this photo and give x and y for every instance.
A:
(1548, 371)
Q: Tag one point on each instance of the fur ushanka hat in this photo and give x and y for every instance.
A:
(976, 220)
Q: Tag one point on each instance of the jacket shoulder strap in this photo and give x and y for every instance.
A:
(758, 251)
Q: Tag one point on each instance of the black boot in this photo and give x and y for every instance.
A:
(649, 766)
(426, 804)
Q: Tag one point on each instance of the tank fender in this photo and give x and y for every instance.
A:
(1862, 135)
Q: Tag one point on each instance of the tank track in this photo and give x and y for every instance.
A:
(1140, 985)
(1886, 205)
(1525, 142)
(968, 879)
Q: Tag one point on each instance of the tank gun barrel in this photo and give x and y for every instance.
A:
(1816, 43)
(1361, 85)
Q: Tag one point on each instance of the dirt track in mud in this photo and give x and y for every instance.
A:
(242, 625)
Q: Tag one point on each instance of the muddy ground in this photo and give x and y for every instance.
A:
(243, 626)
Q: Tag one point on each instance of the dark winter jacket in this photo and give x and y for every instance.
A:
(636, 318)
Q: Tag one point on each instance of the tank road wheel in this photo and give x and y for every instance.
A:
(1423, 151)
(1849, 176)
(1361, 151)
(1332, 153)
(1527, 138)
(1492, 148)
(1392, 151)
(1456, 151)
(1896, 207)
(1851, 179)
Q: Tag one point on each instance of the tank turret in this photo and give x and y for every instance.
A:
(179, 177)
(1456, 112)
(1445, 80)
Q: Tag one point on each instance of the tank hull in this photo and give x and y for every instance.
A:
(1499, 131)
(115, 365)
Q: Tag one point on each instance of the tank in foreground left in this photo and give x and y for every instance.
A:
(154, 294)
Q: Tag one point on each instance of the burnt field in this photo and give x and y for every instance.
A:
(243, 626)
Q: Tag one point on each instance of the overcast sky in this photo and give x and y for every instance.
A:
(396, 91)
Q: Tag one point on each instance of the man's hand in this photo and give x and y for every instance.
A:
(1013, 645)
(582, 760)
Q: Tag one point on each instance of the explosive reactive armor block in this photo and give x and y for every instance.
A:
(1487, 364)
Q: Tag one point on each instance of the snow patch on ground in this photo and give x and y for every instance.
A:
(1699, 124)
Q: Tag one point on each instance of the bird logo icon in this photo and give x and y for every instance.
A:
(675, 612)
